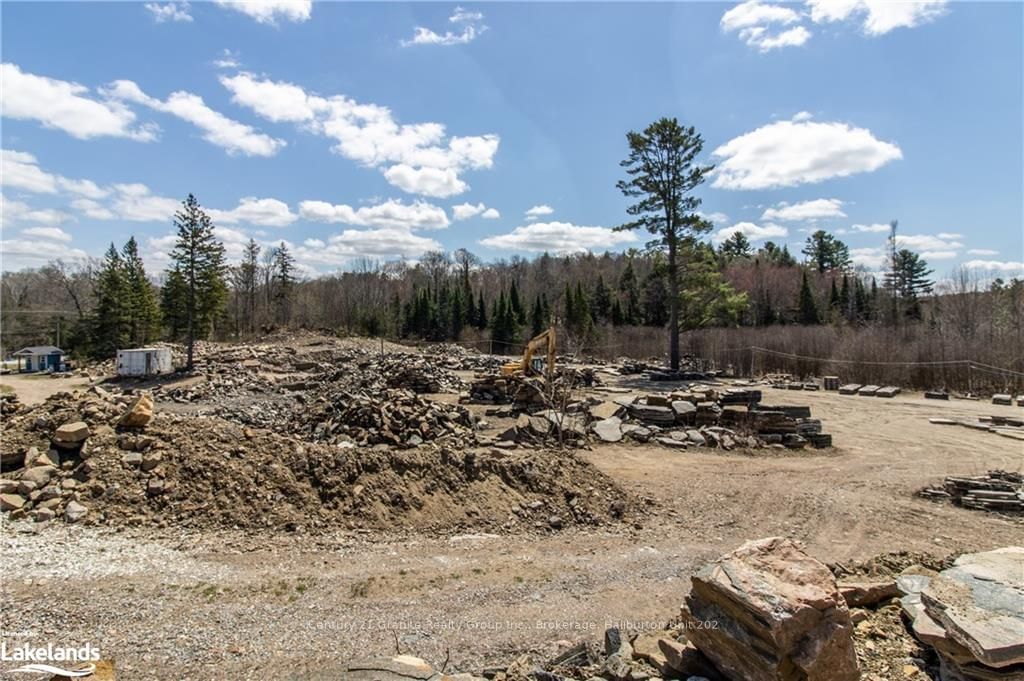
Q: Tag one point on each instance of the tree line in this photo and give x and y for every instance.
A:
(679, 283)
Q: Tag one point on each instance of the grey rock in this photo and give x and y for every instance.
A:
(978, 604)
(609, 429)
(40, 475)
(75, 511)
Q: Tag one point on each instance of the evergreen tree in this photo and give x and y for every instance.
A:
(736, 246)
(602, 301)
(200, 258)
(173, 297)
(807, 309)
(655, 302)
(631, 294)
(663, 174)
(142, 310)
(249, 279)
(284, 282)
(860, 300)
(826, 253)
(834, 308)
(515, 304)
(537, 319)
(111, 313)
(911, 281)
(845, 300)
(481, 313)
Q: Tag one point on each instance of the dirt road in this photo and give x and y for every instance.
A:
(227, 605)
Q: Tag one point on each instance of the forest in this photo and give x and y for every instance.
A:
(736, 307)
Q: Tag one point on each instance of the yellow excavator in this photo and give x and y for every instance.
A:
(526, 366)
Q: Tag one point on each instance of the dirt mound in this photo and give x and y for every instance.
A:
(889, 564)
(202, 471)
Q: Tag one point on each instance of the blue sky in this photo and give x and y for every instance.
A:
(383, 130)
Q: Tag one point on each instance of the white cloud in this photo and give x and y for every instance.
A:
(20, 253)
(870, 258)
(472, 26)
(765, 41)
(789, 153)
(949, 235)
(714, 218)
(928, 242)
(134, 202)
(351, 244)
(818, 209)
(559, 237)
(878, 16)
(939, 255)
(92, 209)
(17, 212)
(21, 169)
(754, 21)
(981, 251)
(803, 116)
(538, 211)
(253, 211)
(270, 11)
(390, 215)
(754, 13)
(465, 211)
(227, 60)
(218, 129)
(875, 228)
(437, 182)
(369, 134)
(751, 231)
(169, 11)
(53, 233)
(63, 105)
(994, 265)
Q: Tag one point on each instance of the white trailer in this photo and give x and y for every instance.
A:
(144, 362)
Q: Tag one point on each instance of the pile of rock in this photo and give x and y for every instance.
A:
(998, 490)
(9, 404)
(463, 359)
(416, 373)
(972, 614)
(703, 416)
(389, 417)
(770, 612)
(60, 481)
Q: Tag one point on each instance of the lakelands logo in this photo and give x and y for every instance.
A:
(40, 657)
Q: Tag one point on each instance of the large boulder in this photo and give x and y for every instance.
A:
(71, 435)
(609, 429)
(979, 605)
(769, 612)
(140, 412)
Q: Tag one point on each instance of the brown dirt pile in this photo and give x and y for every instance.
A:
(199, 471)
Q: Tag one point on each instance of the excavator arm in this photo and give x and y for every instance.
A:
(544, 341)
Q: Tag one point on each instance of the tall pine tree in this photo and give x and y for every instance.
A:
(110, 316)
(142, 311)
(199, 257)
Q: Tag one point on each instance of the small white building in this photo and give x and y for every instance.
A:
(144, 362)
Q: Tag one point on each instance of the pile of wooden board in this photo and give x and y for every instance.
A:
(997, 490)
(1007, 426)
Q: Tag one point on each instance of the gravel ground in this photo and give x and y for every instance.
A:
(229, 604)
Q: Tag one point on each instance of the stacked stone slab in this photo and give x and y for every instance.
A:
(972, 614)
(770, 612)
